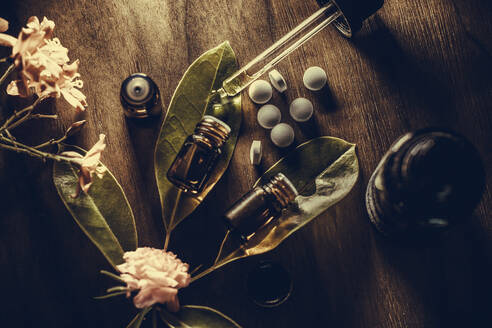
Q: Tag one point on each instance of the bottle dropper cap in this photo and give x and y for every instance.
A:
(354, 12)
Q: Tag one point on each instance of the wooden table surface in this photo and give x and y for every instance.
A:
(415, 64)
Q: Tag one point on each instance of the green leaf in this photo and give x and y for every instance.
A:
(187, 107)
(139, 318)
(324, 170)
(194, 316)
(103, 214)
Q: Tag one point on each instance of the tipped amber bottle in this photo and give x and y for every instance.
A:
(260, 206)
(199, 154)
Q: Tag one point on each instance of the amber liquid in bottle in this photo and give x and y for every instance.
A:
(259, 206)
(199, 154)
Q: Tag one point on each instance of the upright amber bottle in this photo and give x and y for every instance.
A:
(199, 154)
(260, 206)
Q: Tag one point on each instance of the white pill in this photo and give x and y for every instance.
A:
(277, 80)
(301, 109)
(268, 116)
(260, 91)
(255, 152)
(282, 135)
(314, 78)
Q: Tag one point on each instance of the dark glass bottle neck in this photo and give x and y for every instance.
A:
(213, 131)
(281, 191)
(259, 206)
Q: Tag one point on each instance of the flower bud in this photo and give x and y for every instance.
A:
(75, 128)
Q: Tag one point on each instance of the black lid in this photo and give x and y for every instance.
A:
(354, 13)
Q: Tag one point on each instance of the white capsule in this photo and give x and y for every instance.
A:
(282, 135)
(260, 92)
(277, 80)
(301, 109)
(268, 116)
(255, 152)
(314, 78)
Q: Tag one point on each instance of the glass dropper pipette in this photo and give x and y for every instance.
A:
(242, 78)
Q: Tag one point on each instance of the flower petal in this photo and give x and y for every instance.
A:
(4, 25)
(7, 40)
(71, 96)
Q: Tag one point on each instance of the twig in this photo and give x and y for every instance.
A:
(22, 148)
(9, 70)
(23, 114)
(50, 142)
(41, 116)
(9, 135)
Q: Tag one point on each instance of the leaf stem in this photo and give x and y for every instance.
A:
(204, 273)
(9, 70)
(170, 227)
(221, 247)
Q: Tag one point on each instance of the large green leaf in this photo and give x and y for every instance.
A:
(193, 316)
(324, 170)
(103, 213)
(187, 107)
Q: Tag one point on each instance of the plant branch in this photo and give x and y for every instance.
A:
(42, 116)
(9, 70)
(24, 149)
(21, 116)
(50, 142)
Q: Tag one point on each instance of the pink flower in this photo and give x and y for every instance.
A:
(156, 274)
(44, 64)
(89, 165)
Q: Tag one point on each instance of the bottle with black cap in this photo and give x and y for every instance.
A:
(427, 182)
(140, 96)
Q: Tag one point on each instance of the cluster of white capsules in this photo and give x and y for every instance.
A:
(269, 116)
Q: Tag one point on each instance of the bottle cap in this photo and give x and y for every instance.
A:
(140, 96)
(217, 122)
(354, 12)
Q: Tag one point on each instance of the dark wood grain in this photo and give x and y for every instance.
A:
(415, 64)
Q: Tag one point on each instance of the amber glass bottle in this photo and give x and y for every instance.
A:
(428, 181)
(199, 155)
(259, 206)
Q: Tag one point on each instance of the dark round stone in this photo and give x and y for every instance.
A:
(269, 284)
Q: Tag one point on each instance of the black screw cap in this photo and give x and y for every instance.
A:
(354, 13)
